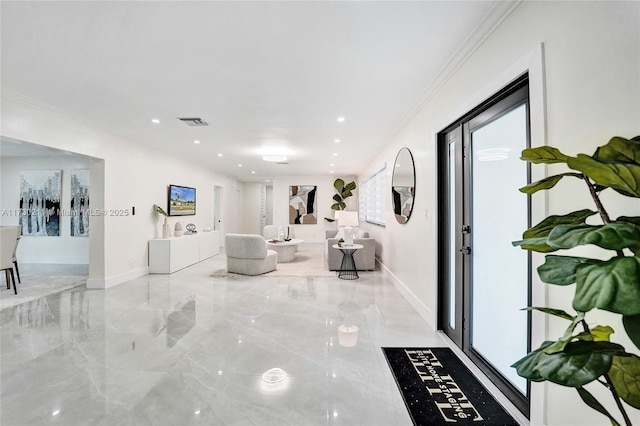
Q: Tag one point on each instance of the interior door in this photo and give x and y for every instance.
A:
(484, 281)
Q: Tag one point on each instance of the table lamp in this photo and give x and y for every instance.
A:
(348, 220)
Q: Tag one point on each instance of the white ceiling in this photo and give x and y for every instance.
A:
(262, 74)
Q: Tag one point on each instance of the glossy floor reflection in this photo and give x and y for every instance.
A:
(188, 348)
(39, 279)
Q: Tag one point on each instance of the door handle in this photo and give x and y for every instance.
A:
(465, 250)
(465, 229)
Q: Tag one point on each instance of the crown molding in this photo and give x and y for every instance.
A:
(494, 17)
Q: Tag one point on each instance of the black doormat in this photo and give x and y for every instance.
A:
(438, 389)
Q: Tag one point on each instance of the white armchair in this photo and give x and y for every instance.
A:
(247, 254)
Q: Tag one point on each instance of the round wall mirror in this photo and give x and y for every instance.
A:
(403, 185)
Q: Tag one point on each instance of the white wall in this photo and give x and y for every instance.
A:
(324, 195)
(591, 68)
(62, 249)
(129, 175)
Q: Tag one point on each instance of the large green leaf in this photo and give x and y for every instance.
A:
(543, 155)
(338, 206)
(612, 236)
(595, 404)
(619, 150)
(625, 376)
(579, 364)
(632, 327)
(623, 177)
(635, 220)
(560, 344)
(546, 183)
(350, 186)
(535, 238)
(556, 312)
(613, 285)
(561, 270)
(338, 184)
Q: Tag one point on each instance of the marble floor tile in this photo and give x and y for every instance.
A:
(190, 349)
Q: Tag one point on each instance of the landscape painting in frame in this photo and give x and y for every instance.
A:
(302, 204)
(79, 203)
(40, 192)
(182, 200)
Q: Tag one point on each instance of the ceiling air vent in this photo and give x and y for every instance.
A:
(194, 122)
(282, 162)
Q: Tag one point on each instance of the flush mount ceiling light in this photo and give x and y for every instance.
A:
(276, 158)
(273, 376)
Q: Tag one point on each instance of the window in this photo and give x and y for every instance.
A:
(373, 198)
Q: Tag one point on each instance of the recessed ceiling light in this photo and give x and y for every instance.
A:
(336, 140)
(196, 142)
(332, 164)
(253, 172)
(239, 165)
(331, 172)
(341, 119)
(335, 154)
(274, 157)
(267, 180)
(155, 121)
(219, 155)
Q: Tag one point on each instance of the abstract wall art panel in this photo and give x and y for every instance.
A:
(79, 211)
(302, 204)
(40, 192)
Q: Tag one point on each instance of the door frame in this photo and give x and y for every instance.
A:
(462, 128)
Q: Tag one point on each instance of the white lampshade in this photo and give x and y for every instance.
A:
(348, 218)
(336, 215)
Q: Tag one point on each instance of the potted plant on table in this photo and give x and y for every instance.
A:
(585, 354)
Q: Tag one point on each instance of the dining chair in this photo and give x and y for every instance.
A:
(8, 242)
(15, 258)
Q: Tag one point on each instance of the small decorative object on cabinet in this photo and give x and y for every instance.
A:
(177, 230)
(191, 228)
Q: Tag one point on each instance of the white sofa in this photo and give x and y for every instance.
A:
(247, 254)
(365, 258)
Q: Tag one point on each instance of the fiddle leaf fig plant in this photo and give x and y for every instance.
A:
(343, 191)
(585, 354)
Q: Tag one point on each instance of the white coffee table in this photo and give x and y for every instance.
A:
(286, 249)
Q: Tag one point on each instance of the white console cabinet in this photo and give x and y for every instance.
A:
(172, 254)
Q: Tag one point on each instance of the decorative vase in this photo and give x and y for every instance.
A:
(177, 230)
(165, 229)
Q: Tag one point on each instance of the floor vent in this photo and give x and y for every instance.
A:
(193, 121)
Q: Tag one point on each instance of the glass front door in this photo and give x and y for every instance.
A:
(484, 280)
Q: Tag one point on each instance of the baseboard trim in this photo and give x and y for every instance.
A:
(55, 260)
(114, 280)
(422, 309)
